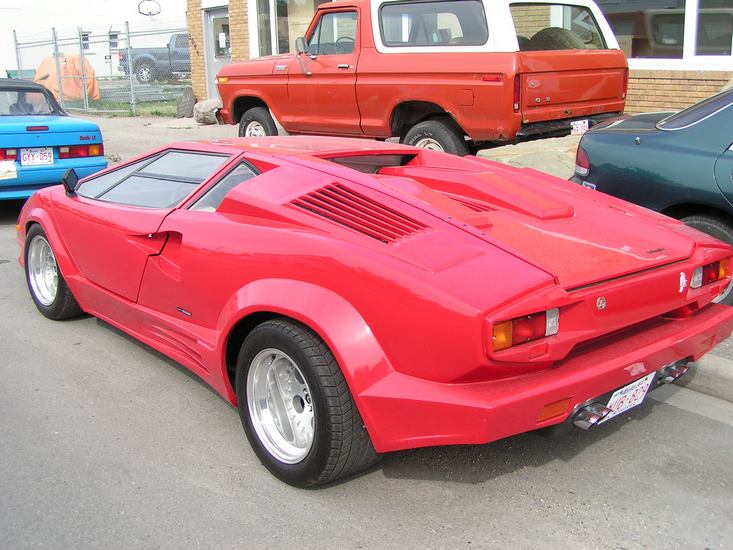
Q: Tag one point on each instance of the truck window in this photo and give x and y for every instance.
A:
(181, 41)
(555, 27)
(441, 23)
(335, 33)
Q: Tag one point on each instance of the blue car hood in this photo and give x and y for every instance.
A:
(18, 124)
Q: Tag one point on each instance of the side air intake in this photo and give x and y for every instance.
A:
(359, 213)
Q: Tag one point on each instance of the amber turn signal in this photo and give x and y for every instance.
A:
(525, 329)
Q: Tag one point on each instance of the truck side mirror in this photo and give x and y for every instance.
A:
(69, 181)
(300, 45)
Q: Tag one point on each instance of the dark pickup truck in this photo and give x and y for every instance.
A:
(149, 64)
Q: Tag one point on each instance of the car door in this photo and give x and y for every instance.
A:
(112, 226)
(322, 89)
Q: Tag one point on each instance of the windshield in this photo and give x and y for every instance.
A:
(24, 102)
(696, 113)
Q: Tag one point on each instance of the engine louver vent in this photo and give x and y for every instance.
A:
(359, 213)
(475, 206)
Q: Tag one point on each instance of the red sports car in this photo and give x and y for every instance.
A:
(354, 298)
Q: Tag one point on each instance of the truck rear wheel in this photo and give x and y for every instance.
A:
(436, 135)
(256, 122)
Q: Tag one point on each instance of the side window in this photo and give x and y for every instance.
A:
(335, 33)
(181, 41)
(161, 181)
(555, 27)
(439, 23)
(211, 200)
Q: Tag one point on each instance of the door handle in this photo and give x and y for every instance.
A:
(342, 66)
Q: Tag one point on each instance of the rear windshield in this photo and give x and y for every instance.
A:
(447, 23)
(24, 102)
(696, 113)
(555, 27)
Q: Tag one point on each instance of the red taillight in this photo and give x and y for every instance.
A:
(525, 329)
(80, 151)
(626, 83)
(517, 92)
(8, 154)
(710, 273)
(582, 162)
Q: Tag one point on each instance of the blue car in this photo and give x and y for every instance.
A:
(39, 141)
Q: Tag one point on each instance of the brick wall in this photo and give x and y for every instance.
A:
(239, 29)
(194, 17)
(671, 90)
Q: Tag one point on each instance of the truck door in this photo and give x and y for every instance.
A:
(322, 90)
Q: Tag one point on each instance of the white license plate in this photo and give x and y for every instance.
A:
(578, 127)
(36, 156)
(629, 396)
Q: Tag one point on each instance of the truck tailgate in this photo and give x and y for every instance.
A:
(586, 82)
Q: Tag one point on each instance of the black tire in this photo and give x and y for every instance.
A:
(257, 116)
(720, 229)
(340, 445)
(145, 72)
(437, 132)
(63, 305)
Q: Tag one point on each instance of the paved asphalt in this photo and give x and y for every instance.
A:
(107, 444)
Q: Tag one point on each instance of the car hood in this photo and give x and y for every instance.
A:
(256, 67)
(19, 124)
(578, 236)
(645, 122)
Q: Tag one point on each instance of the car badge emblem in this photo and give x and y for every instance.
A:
(683, 282)
(601, 303)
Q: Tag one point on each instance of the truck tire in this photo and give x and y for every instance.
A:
(436, 135)
(256, 122)
(145, 72)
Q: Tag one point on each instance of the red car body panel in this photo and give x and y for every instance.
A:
(408, 318)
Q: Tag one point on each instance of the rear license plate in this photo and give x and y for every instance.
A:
(36, 156)
(578, 127)
(629, 396)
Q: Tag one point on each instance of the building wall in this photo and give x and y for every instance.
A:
(671, 90)
(195, 19)
(239, 29)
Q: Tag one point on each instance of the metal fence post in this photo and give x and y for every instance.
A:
(83, 72)
(129, 69)
(58, 67)
(17, 53)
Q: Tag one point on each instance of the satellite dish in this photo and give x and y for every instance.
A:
(148, 7)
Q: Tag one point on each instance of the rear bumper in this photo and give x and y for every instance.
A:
(559, 127)
(32, 178)
(405, 412)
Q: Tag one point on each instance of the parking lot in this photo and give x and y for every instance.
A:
(108, 444)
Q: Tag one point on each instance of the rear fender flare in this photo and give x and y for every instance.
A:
(332, 317)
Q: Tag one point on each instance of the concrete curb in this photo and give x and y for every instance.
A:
(712, 375)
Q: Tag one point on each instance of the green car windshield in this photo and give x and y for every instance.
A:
(697, 112)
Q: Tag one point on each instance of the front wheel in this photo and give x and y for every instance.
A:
(296, 407)
(257, 122)
(437, 135)
(720, 229)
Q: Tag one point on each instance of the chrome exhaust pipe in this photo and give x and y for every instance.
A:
(672, 372)
(590, 415)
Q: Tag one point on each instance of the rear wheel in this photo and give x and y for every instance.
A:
(257, 122)
(437, 135)
(720, 229)
(45, 281)
(144, 73)
(296, 407)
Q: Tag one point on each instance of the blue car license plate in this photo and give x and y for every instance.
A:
(36, 156)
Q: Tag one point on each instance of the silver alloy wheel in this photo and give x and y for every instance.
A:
(254, 129)
(144, 73)
(429, 143)
(43, 273)
(280, 406)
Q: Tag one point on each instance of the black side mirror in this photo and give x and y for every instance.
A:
(300, 45)
(69, 182)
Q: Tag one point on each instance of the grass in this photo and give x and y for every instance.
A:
(162, 108)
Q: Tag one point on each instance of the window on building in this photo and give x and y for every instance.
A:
(114, 40)
(555, 27)
(441, 23)
(85, 40)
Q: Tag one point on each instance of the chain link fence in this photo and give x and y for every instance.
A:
(124, 70)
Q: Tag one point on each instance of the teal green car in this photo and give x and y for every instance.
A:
(679, 164)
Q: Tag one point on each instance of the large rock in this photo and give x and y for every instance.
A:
(204, 112)
(184, 107)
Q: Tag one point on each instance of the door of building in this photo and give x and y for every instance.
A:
(217, 46)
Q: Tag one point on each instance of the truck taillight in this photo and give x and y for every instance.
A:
(710, 273)
(8, 154)
(517, 92)
(582, 162)
(80, 151)
(525, 329)
(626, 83)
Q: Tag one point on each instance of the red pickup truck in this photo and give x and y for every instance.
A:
(450, 75)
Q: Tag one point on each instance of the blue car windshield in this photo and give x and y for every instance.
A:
(24, 102)
(697, 112)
